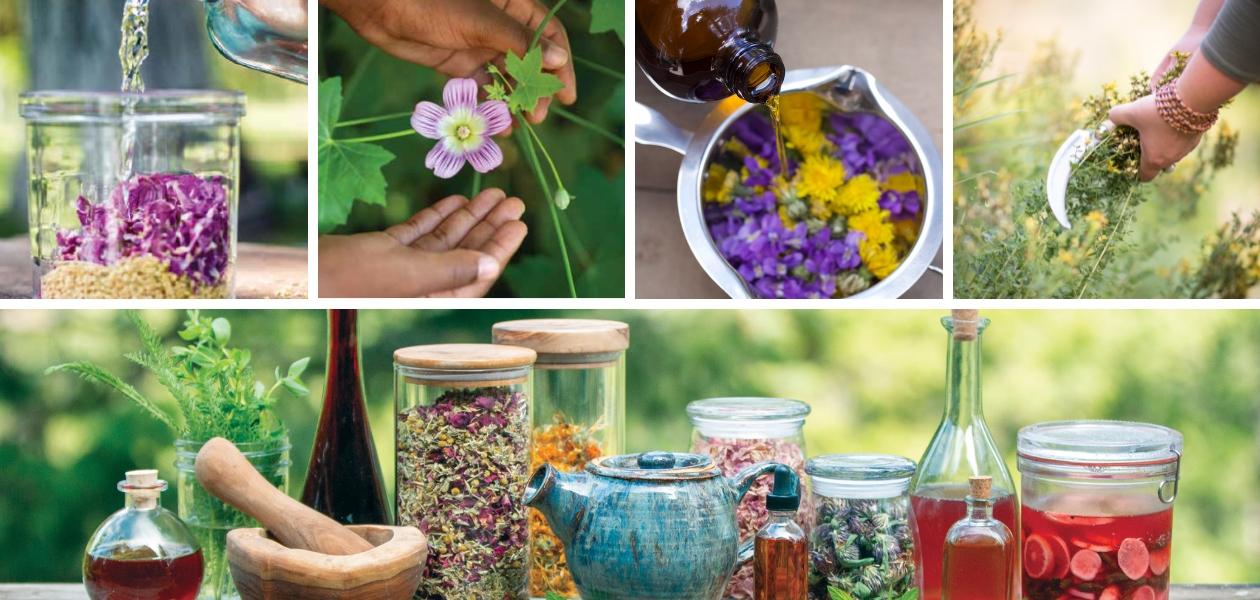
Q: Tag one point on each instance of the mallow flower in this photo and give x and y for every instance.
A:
(462, 128)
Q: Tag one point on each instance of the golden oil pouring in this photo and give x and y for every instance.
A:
(772, 103)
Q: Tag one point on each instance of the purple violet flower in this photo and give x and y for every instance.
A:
(757, 176)
(900, 206)
(462, 128)
(757, 205)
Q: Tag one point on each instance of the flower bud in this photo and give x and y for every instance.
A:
(562, 199)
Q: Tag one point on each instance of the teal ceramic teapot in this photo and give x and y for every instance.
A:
(652, 525)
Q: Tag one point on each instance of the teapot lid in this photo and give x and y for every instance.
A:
(655, 466)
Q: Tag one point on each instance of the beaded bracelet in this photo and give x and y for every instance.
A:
(1181, 117)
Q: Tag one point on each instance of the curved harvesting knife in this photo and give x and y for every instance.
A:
(1070, 153)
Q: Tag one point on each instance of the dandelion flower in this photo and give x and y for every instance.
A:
(874, 224)
(820, 178)
(880, 259)
(462, 128)
(806, 140)
(802, 111)
(858, 195)
(902, 182)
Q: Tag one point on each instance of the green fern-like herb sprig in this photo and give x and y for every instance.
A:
(212, 384)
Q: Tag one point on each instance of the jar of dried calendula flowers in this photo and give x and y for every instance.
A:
(738, 432)
(579, 412)
(463, 457)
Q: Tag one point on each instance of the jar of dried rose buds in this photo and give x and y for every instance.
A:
(737, 432)
(133, 195)
(579, 415)
(463, 446)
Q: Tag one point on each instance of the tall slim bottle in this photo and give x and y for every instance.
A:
(961, 448)
(344, 479)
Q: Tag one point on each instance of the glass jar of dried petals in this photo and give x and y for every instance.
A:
(579, 415)
(737, 432)
(463, 452)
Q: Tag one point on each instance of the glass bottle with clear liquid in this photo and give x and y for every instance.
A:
(979, 551)
(143, 551)
(961, 448)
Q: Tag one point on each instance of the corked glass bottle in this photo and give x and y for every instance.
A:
(706, 50)
(979, 551)
(344, 479)
(961, 448)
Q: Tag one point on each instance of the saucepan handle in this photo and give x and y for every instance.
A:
(653, 129)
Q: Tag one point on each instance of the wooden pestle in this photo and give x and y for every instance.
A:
(224, 472)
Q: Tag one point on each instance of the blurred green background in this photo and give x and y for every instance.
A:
(591, 166)
(875, 380)
(273, 133)
(1056, 53)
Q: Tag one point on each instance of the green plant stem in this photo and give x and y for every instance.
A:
(387, 117)
(476, 187)
(554, 172)
(374, 138)
(579, 248)
(594, 66)
(1103, 254)
(523, 140)
(547, 19)
(589, 125)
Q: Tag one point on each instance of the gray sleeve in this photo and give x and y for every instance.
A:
(1232, 44)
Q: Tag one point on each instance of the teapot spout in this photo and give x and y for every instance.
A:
(561, 498)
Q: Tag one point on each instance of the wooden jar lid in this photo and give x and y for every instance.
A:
(465, 357)
(564, 336)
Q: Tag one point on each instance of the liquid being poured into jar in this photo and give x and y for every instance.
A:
(775, 121)
(131, 54)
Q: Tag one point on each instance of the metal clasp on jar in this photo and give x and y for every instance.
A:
(1176, 479)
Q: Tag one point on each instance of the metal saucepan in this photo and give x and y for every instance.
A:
(847, 89)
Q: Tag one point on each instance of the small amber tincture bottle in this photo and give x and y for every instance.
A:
(706, 50)
(979, 551)
(780, 556)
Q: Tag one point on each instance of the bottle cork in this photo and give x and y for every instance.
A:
(144, 488)
(981, 486)
(966, 324)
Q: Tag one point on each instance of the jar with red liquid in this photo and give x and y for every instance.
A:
(143, 552)
(1097, 514)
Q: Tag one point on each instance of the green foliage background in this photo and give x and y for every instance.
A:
(874, 379)
(592, 167)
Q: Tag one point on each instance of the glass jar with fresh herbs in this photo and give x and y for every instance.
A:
(579, 415)
(463, 456)
(861, 543)
(737, 432)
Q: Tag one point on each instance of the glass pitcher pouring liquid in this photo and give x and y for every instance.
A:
(264, 35)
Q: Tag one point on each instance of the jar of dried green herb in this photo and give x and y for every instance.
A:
(738, 432)
(861, 542)
(579, 415)
(463, 457)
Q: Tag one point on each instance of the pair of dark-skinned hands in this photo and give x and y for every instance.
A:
(457, 247)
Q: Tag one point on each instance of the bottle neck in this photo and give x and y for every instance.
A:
(144, 500)
(962, 381)
(754, 72)
(979, 510)
(780, 516)
(343, 356)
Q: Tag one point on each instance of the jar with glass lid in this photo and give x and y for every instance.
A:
(462, 443)
(861, 542)
(1097, 511)
(738, 432)
(578, 415)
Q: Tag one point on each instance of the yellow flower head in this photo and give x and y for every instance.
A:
(874, 225)
(1096, 219)
(783, 216)
(903, 182)
(806, 140)
(880, 259)
(820, 178)
(719, 182)
(858, 195)
(803, 110)
(736, 147)
(906, 229)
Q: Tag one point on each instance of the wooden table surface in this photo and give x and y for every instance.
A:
(261, 272)
(897, 41)
(74, 591)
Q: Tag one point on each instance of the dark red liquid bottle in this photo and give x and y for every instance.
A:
(344, 479)
(108, 577)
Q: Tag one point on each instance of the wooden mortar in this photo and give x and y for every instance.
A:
(265, 570)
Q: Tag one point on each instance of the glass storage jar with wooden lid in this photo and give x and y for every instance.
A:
(579, 415)
(462, 443)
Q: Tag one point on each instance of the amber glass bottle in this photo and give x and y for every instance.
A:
(706, 50)
(780, 551)
(344, 480)
(979, 551)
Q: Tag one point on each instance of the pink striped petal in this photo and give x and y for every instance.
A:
(443, 162)
(497, 117)
(487, 157)
(460, 93)
(425, 119)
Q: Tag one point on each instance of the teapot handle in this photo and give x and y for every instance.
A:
(739, 485)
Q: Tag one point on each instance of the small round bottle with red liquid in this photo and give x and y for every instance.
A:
(1097, 513)
(780, 553)
(979, 551)
(143, 552)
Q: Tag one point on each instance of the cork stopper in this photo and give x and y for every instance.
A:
(144, 487)
(981, 487)
(966, 324)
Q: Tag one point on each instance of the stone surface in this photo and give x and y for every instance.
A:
(898, 41)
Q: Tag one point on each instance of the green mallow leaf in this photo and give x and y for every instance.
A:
(347, 171)
(495, 90)
(838, 594)
(296, 369)
(532, 83)
(609, 15)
